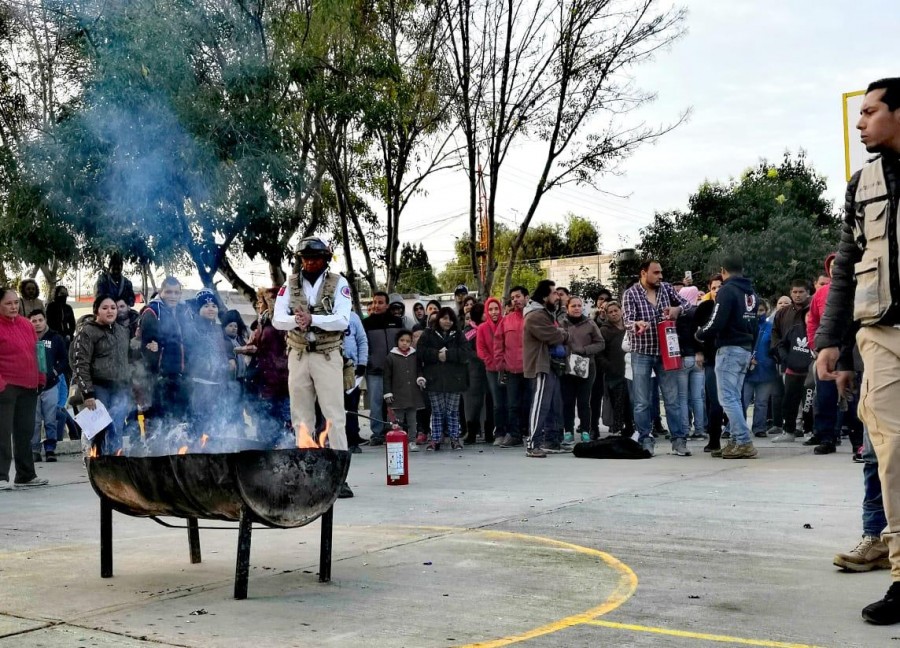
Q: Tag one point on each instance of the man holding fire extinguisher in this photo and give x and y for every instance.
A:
(650, 308)
(734, 326)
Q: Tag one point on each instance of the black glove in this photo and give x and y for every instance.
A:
(360, 371)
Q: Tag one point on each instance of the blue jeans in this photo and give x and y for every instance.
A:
(692, 384)
(732, 363)
(375, 384)
(117, 400)
(46, 413)
(874, 520)
(759, 393)
(642, 365)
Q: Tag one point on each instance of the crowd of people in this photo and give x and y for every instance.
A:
(540, 370)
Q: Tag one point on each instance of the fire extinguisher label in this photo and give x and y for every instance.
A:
(672, 342)
(395, 465)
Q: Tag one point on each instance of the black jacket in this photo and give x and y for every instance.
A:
(702, 317)
(451, 376)
(837, 328)
(57, 357)
(381, 332)
(61, 318)
(734, 320)
(612, 359)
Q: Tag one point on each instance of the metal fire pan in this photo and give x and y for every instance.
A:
(290, 488)
(207, 481)
(282, 488)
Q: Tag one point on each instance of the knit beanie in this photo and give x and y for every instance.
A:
(203, 298)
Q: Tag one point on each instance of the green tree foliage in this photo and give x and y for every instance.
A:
(544, 241)
(415, 272)
(776, 216)
(582, 236)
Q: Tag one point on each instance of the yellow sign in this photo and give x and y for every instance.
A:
(855, 154)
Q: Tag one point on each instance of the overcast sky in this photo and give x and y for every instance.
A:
(761, 77)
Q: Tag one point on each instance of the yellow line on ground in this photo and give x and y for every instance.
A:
(625, 588)
(697, 635)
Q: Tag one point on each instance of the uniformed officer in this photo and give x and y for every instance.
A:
(314, 308)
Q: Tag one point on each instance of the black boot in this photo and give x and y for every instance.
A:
(471, 432)
(488, 434)
(887, 610)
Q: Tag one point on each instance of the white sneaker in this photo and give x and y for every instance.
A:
(413, 447)
(36, 481)
(784, 437)
(6, 485)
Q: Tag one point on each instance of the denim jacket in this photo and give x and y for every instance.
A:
(356, 344)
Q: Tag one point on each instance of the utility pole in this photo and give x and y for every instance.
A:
(484, 233)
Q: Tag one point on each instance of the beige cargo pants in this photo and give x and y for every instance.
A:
(318, 376)
(879, 409)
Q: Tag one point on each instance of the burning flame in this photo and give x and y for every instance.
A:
(94, 452)
(306, 441)
(119, 452)
(203, 440)
(140, 420)
(182, 450)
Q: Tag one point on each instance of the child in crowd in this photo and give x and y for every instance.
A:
(402, 391)
(210, 364)
(444, 360)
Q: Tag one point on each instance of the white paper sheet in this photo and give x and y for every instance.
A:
(93, 421)
(356, 385)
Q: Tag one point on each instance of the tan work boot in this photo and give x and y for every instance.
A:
(871, 553)
(742, 451)
(718, 454)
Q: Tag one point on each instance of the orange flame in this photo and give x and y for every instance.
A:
(119, 452)
(324, 436)
(306, 441)
(182, 450)
(94, 452)
(203, 440)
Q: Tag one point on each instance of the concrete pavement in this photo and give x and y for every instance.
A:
(483, 546)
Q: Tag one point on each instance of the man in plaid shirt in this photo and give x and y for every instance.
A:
(645, 304)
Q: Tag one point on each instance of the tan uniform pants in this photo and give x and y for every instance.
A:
(313, 376)
(879, 409)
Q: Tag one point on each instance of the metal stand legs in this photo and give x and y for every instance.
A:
(325, 546)
(194, 540)
(106, 539)
(242, 569)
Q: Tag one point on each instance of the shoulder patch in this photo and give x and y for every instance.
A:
(345, 291)
(281, 291)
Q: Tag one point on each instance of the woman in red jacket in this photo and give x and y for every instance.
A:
(484, 347)
(20, 379)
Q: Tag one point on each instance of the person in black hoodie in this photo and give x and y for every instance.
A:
(706, 359)
(734, 326)
(60, 316)
(381, 331)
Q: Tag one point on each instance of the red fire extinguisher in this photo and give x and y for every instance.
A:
(669, 348)
(396, 455)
